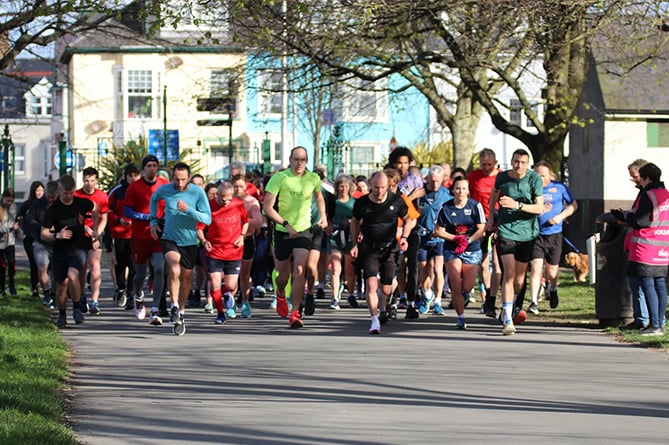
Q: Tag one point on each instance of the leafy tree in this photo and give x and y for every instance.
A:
(28, 25)
(460, 54)
(132, 152)
(426, 156)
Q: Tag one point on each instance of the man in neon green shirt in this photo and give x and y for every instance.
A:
(294, 189)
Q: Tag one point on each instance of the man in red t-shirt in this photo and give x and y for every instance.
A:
(481, 183)
(142, 245)
(97, 222)
(224, 247)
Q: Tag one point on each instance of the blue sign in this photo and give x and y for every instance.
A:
(69, 159)
(155, 142)
(103, 147)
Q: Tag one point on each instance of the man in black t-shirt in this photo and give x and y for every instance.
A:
(64, 225)
(375, 217)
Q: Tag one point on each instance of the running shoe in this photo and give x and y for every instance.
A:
(437, 309)
(295, 321)
(352, 301)
(383, 317)
(334, 305)
(246, 310)
(260, 291)
(121, 298)
(320, 293)
(461, 325)
(533, 309)
(61, 321)
(47, 300)
(651, 331)
(231, 312)
(173, 314)
(179, 326)
(424, 305)
(220, 318)
(94, 308)
(309, 305)
(208, 308)
(403, 303)
(83, 307)
(272, 305)
(489, 310)
(281, 306)
(77, 315)
(375, 328)
(553, 299)
(12, 290)
(155, 319)
(519, 316)
(130, 304)
(509, 328)
(411, 313)
(140, 310)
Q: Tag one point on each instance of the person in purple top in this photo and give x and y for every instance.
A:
(411, 186)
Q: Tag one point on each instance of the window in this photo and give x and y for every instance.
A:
(270, 98)
(6, 104)
(364, 101)
(39, 106)
(20, 159)
(535, 109)
(38, 99)
(657, 133)
(515, 114)
(137, 94)
(362, 155)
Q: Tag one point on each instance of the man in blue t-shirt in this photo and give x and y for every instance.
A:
(186, 205)
(559, 205)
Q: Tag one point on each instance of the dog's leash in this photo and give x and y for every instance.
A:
(566, 240)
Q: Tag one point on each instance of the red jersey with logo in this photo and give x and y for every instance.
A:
(225, 228)
(99, 198)
(138, 197)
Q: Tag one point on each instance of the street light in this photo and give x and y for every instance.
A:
(7, 159)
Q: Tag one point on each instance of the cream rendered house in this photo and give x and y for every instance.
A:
(120, 85)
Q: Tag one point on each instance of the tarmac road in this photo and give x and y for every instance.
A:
(256, 381)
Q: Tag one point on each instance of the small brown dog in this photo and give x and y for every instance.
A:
(578, 262)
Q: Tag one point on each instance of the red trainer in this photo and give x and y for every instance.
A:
(295, 322)
(281, 306)
(520, 317)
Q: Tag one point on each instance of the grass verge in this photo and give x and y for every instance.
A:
(577, 306)
(33, 366)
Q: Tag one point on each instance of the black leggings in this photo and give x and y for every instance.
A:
(7, 263)
(28, 246)
(123, 257)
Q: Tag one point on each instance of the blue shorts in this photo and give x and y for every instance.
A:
(427, 251)
(473, 257)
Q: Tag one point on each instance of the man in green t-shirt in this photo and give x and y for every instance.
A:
(519, 192)
(294, 187)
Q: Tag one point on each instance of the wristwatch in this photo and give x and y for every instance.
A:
(284, 223)
(519, 205)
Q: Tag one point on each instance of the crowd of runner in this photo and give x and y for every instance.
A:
(401, 239)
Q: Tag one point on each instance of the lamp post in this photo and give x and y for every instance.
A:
(7, 158)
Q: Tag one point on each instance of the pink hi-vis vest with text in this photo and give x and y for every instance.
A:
(650, 245)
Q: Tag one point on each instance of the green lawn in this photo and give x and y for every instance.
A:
(33, 372)
(577, 306)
